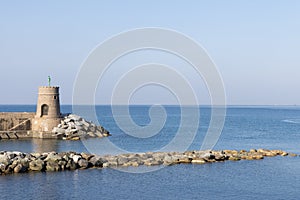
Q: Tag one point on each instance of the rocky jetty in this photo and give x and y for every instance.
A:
(74, 127)
(18, 162)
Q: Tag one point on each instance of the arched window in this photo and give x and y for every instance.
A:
(45, 109)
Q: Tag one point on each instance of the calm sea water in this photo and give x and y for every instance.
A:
(245, 128)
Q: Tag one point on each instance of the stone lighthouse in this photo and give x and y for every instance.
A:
(48, 113)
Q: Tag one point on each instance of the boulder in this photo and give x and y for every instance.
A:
(53, 157)
(62, 164)
(58, 130)
(2, 167)
(36, 155)
(91, 134)
(18, 168)
(76, 158)
(83, 163)
(122, 160)
(71, 165)
(96, 161)
(4, 159)
(37, 165)
(53, 166)
(74, 117)
(87, 156)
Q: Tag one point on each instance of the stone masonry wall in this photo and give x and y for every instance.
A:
(10, 120)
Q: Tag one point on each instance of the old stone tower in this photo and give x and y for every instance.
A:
(47, 111)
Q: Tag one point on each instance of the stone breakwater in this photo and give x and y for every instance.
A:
(74, 127)
(18, 162)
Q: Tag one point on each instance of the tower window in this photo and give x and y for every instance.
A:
(45, 109)
(55, 97)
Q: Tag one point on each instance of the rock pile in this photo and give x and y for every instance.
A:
(74, 127)
(18, 162)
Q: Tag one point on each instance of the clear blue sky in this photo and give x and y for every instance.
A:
(255, 44)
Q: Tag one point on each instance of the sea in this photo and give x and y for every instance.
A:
(245, 127)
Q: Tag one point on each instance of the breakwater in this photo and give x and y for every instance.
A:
(74, 127)
(18, 162)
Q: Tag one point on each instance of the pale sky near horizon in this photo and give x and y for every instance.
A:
(255, 44)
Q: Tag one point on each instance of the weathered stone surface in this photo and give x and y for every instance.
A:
(53, 157)
(83, 163)
(36, 155)
(37, 165)
(53, 166)
(4, 159)
(86, 156)
(96, 161)
(71, 165)
(76, 158)
(18, 168)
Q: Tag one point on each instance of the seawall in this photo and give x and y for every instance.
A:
(15, 125)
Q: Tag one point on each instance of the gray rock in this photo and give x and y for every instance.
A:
(4, 159)
(14, 163)
(91, 134)
(37, 165)
(92, 129)
(207, 155)
(2, 167)
(77, 127)
(18, 153)
(98, 134)
(24, 162)
(10, 155)
(36, 155)
(83, 163)
(86, 124)
(52, 166)
(18, 168)
(76, 158)
(106, 134)
(71, 165)
(86, 156)
(122, 160)
(67, 120)
(74, 117)
(96, 161)
(66, 157)
(62, 164)
(53, 157)
(58, 130)
(71, 125)
(78, 123)
(168, 160)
